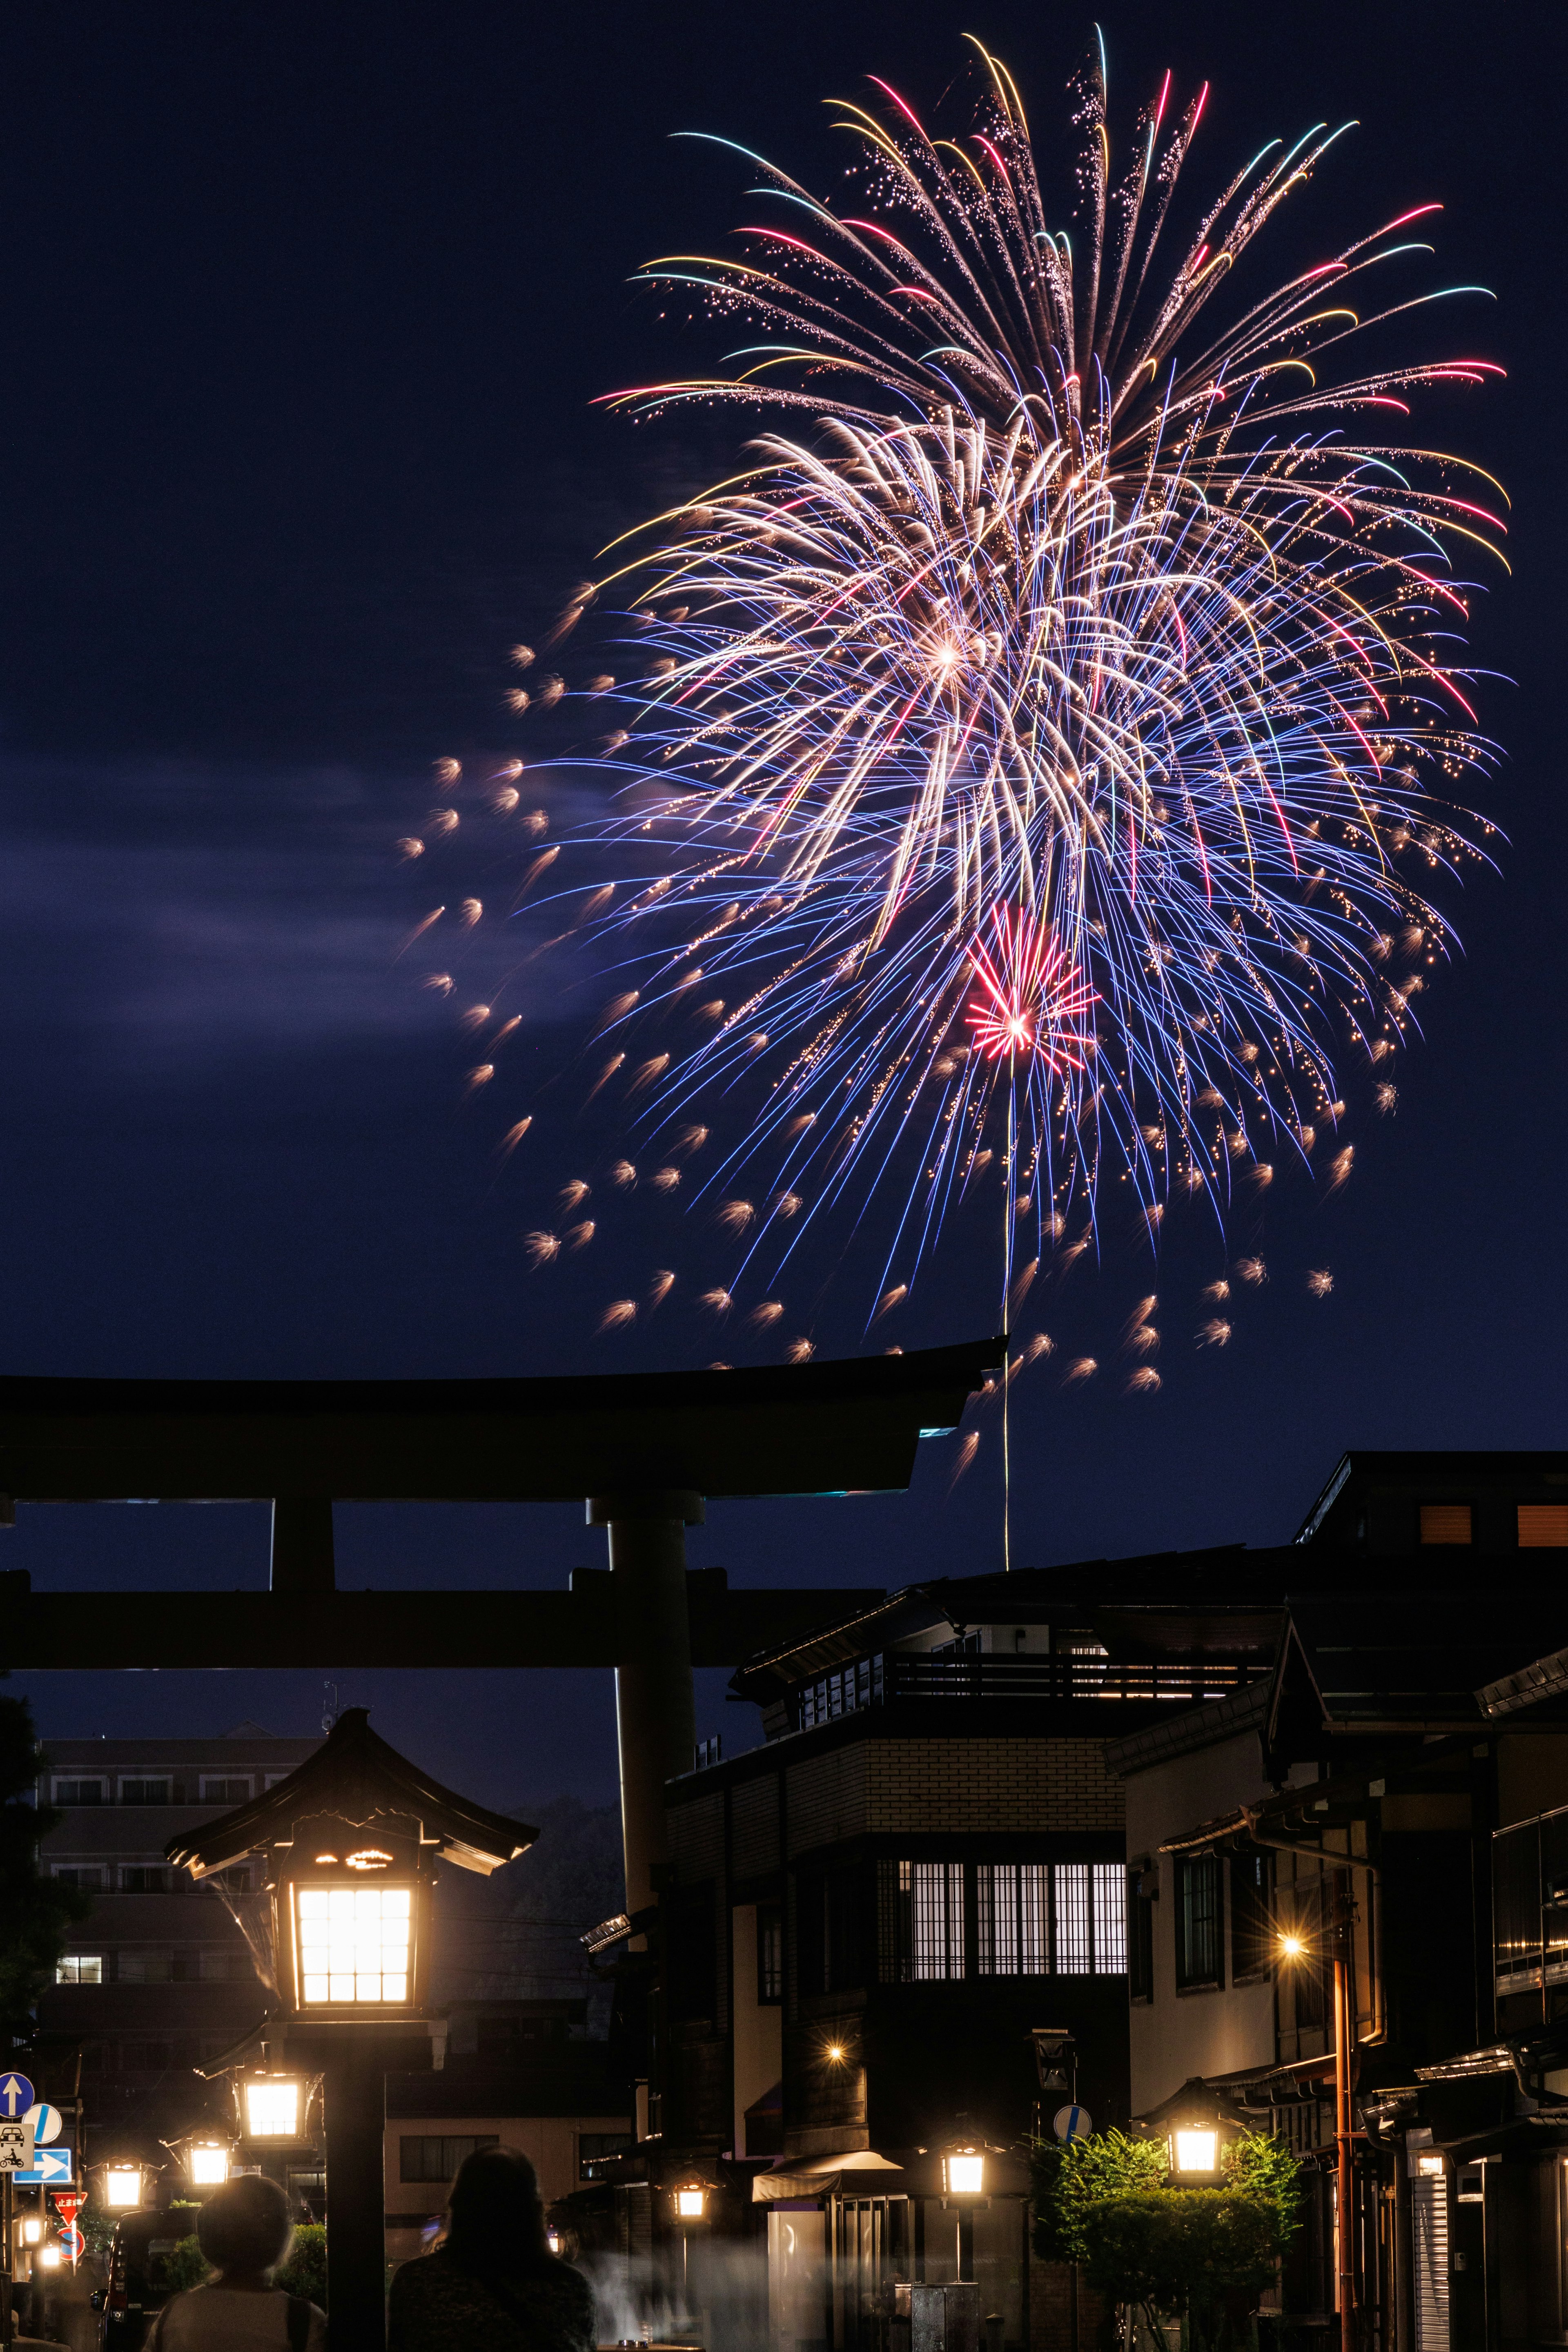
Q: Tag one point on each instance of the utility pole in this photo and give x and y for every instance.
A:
(1344, 2029)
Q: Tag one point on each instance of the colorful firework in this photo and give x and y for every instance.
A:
(1061, 621)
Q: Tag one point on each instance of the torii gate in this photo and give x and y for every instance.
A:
(647, 1451)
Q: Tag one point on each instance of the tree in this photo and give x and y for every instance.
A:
(34, 1911)
(1200, 2255)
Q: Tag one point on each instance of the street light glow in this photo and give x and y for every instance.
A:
(1291, 1947)
(354, 1943)
(272, 2108)
(123, 2186)
(1196, 2151)
(966, 2173)
(689, 2204)
(209, 2166)
(48, 2258)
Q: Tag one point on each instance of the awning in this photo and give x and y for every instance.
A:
(818, 2175)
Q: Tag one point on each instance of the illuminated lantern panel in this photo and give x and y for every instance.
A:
(963, 2170)
(354, 1943)
(209, 2166)
(123, 2186)
(272, 2110)
(49, 2258)
(32, 2233)
(689, 2204)
(1197, 2151)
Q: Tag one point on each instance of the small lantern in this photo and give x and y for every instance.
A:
(48, 2258)
(207, 2163)
(692, 2202)
(274, 2106)
(1195, 2151)
(122, 2187)
(963, 2169)
(33, 2231)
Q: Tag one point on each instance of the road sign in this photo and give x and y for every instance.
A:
(16, 2147)
(48, 2123)
(72, 2244)
(15, 2095)
(1072, 2123)
(68, 2202)
(51, 2167)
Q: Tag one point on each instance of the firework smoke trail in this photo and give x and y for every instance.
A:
(1055, 606)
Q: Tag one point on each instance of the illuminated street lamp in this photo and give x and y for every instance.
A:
(274, 2106)
(1195, 2152)
(690, 2204)
(122, 2187)
(963, 2169)
(1293, 1946)
(33, 2231)
(350, 1842)
(49, 2257)
(207, 2163)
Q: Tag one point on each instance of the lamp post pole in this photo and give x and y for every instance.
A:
(1343, 2146)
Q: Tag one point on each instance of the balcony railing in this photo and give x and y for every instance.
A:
(1061, 1677)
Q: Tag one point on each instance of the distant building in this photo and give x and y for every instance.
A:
(158, 1980)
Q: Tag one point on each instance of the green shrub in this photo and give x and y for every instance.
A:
(186, 2266)
(305, 2271)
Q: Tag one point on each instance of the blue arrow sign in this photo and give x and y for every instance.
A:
(15, 2095)
(51, 2168)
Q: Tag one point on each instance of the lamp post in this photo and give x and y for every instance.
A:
(351, 1841)
(122, 2187)
(690, 2208)
(964, 2188)
(1292, 1946)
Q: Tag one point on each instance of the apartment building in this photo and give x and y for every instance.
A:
(158, 1979)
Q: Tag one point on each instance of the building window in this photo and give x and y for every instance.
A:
(426, 2156)
(144, 1792)
(921, 1912)
(144, 1967)
(224, 1967)
(828, 1931)
(79, 1792)
(1444, 1523)
(1013, 1919)
(1251, 1923)
(79, 1967)
(1140, 1934)
(225, 1792)
(1197, 1920)
(89, 1875)
(769, 1955)
(144, 1878)
(839, 1694)
(1543, 1524)
(1109, 1891)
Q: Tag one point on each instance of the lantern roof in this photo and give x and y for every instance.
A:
(355, 1777)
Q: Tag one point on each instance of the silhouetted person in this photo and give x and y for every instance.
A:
(494, 2285)
(245, 2232)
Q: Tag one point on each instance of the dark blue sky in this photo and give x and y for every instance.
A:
(303, 310)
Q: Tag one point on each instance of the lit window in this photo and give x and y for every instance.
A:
(1444, 1523)
(79, 1967)
(1543, 1524)
(354, 1943)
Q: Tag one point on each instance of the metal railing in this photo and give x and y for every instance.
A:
(1061, 1677)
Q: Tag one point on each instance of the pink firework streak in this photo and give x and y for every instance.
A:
(1034, 995)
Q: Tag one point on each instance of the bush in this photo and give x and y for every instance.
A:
(186, 2266)
(1180, 2249)
(305, 2271)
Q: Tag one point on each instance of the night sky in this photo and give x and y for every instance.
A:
(303, 310)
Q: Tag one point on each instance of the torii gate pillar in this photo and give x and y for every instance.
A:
(655, 1724)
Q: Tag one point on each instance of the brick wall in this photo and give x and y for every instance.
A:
(975, 1785)
(754, 1826)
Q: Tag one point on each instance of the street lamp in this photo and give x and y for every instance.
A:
(1195, 2152)
(122, 2187)
(349, 1843)
(274, 2106)
(963, 2170)
(207, 2163)
(33, 2231)
(49, 2257)
(690, 2204)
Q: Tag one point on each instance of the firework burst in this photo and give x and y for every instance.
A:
(1061, 648)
